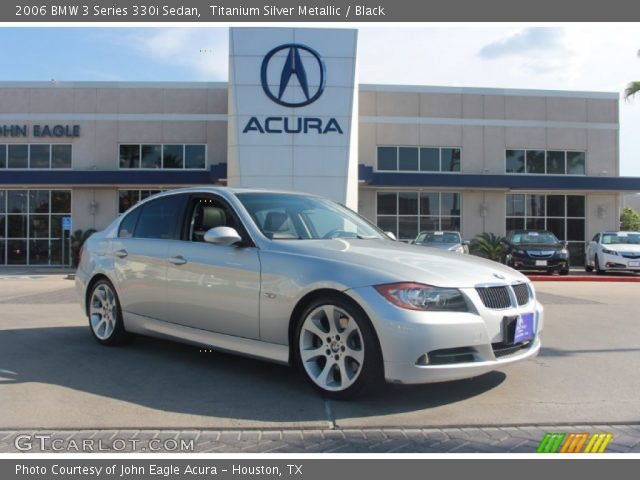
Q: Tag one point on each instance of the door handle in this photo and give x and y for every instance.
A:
(121, 253)
(178, 260)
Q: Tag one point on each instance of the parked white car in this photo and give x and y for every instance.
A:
(613, 251)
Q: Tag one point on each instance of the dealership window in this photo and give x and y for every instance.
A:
(549, 162)
(35, 155)
(165, 156)
(418, 159)
(564, 215)
(32, 227)
(128, 198)
(406, 213)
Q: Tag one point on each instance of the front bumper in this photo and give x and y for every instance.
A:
(550, 265)
(472, 341)
(618, 262)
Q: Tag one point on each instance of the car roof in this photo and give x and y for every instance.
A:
(234, 190)
(530, 231)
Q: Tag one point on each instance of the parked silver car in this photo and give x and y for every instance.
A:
(301, 280)
(451, 241)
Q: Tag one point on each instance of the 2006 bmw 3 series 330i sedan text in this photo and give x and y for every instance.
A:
(299, 279)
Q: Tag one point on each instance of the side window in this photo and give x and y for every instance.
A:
(207, 213)
(128, 224)
(158, 218)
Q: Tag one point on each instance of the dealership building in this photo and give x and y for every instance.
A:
(74, 155)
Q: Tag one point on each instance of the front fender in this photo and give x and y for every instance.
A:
(287, 278)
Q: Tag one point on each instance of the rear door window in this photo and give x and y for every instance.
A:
(128, 224)
(160, 217)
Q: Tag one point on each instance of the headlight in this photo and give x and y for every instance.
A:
(457, 249)
(609, 252)
(416, 296)
(519, 252)
(564, 253)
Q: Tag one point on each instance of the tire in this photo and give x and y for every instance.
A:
(596, 263)
(339, 366)
(564, 271)
(587, 267)
(105, 315)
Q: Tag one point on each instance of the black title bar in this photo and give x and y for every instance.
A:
(313, 469)
(224, 11)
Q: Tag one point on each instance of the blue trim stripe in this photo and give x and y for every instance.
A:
(514, 182)
(114, 177)
(366, 175)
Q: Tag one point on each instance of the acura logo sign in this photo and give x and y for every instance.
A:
(293, 75)
(300, 62)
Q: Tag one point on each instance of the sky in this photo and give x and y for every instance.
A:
(591, 57)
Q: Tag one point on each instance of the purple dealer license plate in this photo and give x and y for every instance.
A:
(524, 328)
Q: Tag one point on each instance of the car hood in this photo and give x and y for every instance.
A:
(385, 261)
(623, 247)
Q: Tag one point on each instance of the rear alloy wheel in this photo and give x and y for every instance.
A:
(336, 348)
(596, 264)
(105, 315)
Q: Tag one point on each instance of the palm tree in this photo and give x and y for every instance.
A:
(632, 88)
(488, 245)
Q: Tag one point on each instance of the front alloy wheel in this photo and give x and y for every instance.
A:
(105, 316)
(336, 348)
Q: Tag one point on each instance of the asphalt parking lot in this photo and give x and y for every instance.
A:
(53, 375)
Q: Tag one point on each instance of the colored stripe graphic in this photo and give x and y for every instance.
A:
(557, 442)
(574, 442)
(551, 442)
(598, 442)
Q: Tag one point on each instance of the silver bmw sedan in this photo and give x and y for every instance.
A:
(301, 280)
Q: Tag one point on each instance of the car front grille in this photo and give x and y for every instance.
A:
(630, 255)
(540, 253)
(451, 355)
(503, 349)
(522, 293)
(495, 297)
(499, 297)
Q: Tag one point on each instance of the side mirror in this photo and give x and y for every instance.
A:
(222, 236)
(565, 244)
(391, 235)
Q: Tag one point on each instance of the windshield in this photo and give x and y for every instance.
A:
(297, 217)
(438, 237)
(621, 238)
(541, 238)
